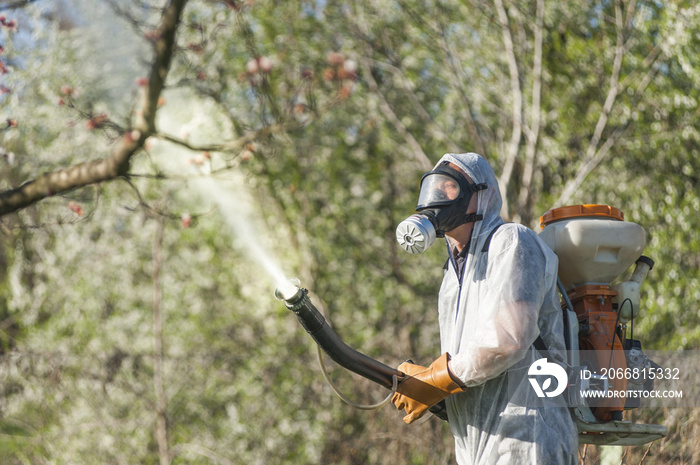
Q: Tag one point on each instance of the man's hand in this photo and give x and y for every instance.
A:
(424, 387)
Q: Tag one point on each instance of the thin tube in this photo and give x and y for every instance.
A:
(395, 384)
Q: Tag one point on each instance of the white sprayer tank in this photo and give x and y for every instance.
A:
(593, 242)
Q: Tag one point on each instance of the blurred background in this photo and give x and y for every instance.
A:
(137, 316)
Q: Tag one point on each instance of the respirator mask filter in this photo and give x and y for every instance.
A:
(442, 204)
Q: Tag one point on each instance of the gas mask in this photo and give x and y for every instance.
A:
(444, 197)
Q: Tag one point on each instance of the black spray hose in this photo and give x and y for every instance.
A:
(297, 300)
(317, 327)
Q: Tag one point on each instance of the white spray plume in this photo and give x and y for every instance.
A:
(200, 122)
(235, 209)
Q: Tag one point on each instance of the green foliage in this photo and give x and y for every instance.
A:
(372, 94)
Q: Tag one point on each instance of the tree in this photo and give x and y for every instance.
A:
(135, 332)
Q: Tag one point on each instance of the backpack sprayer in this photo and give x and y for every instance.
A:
(595, 246)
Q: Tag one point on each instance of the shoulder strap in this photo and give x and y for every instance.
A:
(544, 351)
(540, 346)
(488, 239)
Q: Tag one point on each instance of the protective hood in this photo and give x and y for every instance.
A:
(489, 199)
(444, 198)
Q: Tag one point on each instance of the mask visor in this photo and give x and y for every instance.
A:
(438, 189)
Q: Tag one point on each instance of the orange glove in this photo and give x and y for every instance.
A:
(424, 387)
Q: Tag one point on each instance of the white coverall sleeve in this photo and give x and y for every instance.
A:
(501, 310)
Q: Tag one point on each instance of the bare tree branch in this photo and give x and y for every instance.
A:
(532, 134)
(235, 144)
(407, 86)
(414, 148)
(461, 88)
(80, 175)
(517, 97)
(651, 64)
(164, 45)
(118, 163)
(17, 4)
(593, 155)
(442, 45)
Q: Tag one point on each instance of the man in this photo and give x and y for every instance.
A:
(498, 294)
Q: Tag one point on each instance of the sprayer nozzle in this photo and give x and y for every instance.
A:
(288, 290)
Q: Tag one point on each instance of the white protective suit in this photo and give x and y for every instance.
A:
(489, 318)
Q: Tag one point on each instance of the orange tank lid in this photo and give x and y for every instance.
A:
(581, 211)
